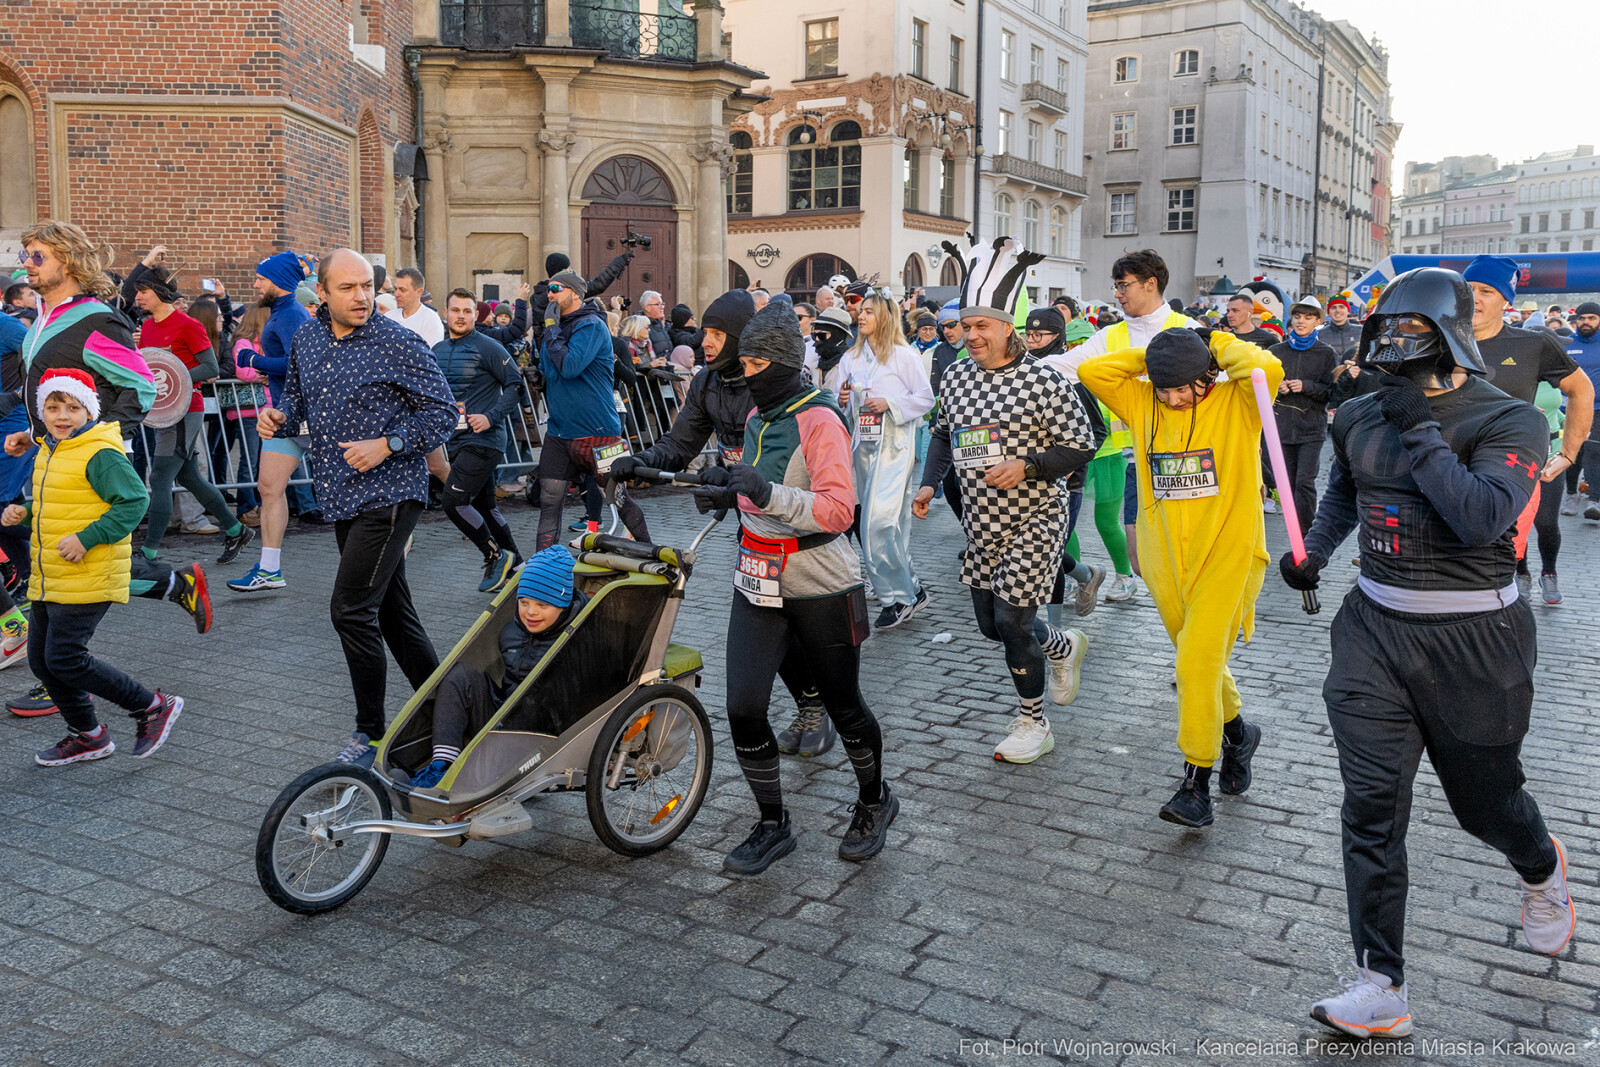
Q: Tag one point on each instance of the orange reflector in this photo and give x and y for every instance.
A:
(666, 809)
(633, 731)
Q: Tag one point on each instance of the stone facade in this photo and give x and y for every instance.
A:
(226, 139)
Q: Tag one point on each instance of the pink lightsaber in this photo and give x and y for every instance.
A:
(1280, 474)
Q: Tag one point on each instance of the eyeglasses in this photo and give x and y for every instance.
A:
(556, 287)
(34, 259)
(1123, 287)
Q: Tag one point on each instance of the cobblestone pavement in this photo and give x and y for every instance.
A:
(1038, 904)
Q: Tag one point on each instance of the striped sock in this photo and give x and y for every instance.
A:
(762, 774)
(1057, 644)
(869, 774)
(446, 752)
(1033, 707)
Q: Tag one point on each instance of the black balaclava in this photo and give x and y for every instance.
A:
(830, 345)
(731, 313)
(774, 385)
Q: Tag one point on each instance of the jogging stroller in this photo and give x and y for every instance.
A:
(609, 711)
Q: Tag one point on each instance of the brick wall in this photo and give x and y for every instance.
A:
(219, 187)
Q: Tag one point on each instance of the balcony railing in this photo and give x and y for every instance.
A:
(632, 34)
(1039, 174)
(491, 26)
(1044, 98)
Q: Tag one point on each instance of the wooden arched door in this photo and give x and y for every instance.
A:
(629, 194)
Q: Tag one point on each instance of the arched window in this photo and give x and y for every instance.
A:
(1058, 231)
(950, 273)
(17, 204)
(825, 177)
(812, 273)
(741, 181)
(738, 277)
(1002, 214)
(911, 276)
(1030, 224)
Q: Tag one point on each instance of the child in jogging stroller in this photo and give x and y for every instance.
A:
(588, 696)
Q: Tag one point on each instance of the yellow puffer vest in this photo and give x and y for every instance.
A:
(63, 503)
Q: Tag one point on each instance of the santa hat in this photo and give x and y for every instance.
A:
(992, 277)
(74, 383)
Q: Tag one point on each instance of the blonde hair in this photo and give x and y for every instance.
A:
(635, 328)
(84, 260)
(886, 334)
(251, 325)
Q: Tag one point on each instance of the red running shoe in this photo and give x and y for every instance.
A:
(76, 748)
(155, 724)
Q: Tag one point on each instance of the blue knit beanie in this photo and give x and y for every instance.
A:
(1498, 272)
(950, 312)
(282, 270)
(548, 577)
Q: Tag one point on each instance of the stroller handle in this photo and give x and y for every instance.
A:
(650, 474)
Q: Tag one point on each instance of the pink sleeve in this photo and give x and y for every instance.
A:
(826, 446)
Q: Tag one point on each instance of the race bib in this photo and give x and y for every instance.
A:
(606, 455)
(758, 575)
(732, 455)
(869, 426)
(461, 417)
(977, 447)
(1184, 475)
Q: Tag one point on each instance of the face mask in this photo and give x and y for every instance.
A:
(774, 385)
(1410, 354)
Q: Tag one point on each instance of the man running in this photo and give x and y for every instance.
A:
(584, 433)
(1433, 651)
(1341, 333)
(376, 404)
(484, 379)
(1518, 360)
(1014, 429)
(411, 312)
(277, 278)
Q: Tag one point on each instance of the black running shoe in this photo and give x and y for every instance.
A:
(190, 593)
(234, 543)
(768, 842)
(1189, 806)
(38, 702)
(1234, 777)
(75, 748)
(869, 827)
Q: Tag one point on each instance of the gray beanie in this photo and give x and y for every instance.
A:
(774, 334)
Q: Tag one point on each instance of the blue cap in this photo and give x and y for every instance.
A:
(282, 270)
(950, 312)
(548, 577)
(1498, 272)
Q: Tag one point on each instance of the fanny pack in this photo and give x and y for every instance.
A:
(787, 545)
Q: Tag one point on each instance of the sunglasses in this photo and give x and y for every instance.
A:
(557, 288)
(35, 259)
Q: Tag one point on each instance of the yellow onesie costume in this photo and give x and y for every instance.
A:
(1202, 540)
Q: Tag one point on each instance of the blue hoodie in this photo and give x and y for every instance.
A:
(1586, 353)
(276, 337)
(576, 362)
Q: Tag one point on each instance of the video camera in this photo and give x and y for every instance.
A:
(637, 239)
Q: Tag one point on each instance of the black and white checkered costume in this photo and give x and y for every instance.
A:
(1014, 536)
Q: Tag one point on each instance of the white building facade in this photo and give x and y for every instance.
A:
(1031, 179)
(859, 159)
(1201, 128)
(1558, 202)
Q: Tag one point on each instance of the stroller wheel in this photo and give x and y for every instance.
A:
(649, 770)
(298, 867)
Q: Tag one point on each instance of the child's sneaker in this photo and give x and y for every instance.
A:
(189, 592)
(76, 748)
(155, 723)
(13, 642)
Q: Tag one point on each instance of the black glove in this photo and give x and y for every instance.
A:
(1204, 333)
(714, 476)
(743, 478)
(708, 498)
(622, 467)
(1302, 576)
(1403, 403)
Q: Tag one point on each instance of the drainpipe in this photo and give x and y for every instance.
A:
(419, 224)
(977, 127)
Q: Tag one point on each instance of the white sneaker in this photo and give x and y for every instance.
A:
(1591, 511)
(1270, 506)
(1370, 1006)
(1063, 678)
(1122, 589)
(1028, 740)
(1571, 503)
(1548, 917)
(206, 527)
(14, 646)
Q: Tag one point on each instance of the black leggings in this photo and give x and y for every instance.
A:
(1547, 525)
(560, 460)
(759, 641)
(470, 503)
(1302, 461)
(1020, 630)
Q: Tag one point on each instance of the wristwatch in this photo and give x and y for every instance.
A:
(1029, 470)
(396, 443)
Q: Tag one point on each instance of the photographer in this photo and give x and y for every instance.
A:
(556, 262)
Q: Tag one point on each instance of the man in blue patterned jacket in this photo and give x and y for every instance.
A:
(376, 404)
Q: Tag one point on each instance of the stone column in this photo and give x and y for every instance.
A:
(715, 159)
(557, 24)
(708, 34)
(553, 202)
(436, 142)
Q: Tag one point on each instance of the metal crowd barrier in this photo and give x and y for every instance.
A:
(646, 407)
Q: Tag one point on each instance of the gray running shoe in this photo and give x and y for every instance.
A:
(1551, 591)
(811, 733)
(1089, 592)
(1525, 586)
(1570, 504)
(1592, 511)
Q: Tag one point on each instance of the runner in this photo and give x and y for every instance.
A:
(1433, 650)
(484, 380)
(277, 278)
(1301, 409)
(1202, 540)
(1014, 429)
(797, 578)
(886, 393)
(718, 402)
(584, 433)
(1342, 333)
(376, 405)
(1519, 361)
